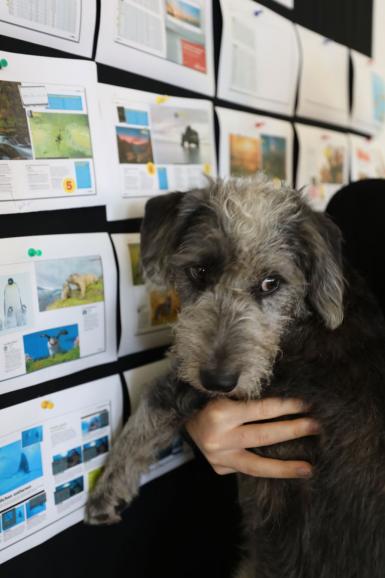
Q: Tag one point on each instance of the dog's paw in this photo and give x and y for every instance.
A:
(101, 509)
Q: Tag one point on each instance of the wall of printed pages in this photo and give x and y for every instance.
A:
(104, 104)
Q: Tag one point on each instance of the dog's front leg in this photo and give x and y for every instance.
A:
(158, 418)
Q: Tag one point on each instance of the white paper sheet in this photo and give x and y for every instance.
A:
(169, 40)
(152, 144)
(67, 26)
(250, 143)
(146, 314)
(57, 307)
(367, 159)
(323, 89)
(52, 450)
(368, 112)
(259, 58)
(323, 163)
(49, 134)
(179, 452)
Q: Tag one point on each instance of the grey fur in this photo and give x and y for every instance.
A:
(243, 232)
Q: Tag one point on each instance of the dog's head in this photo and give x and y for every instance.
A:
(247, 260)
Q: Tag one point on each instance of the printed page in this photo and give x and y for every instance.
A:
(52, 451)
(49, 134)
(323, 164)
(57, 307)
(67, 26)
(152, 144)
(146, 313)
(169, 40)
(324, 84)
(368, 112)
(367, 159)
(259, 58)
(179, 452)
(250, 143)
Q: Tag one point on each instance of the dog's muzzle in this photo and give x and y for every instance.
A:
(215, 380)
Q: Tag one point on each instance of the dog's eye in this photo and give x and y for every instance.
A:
(268, 286)
(197, 274)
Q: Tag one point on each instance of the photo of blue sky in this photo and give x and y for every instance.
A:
(19, 465)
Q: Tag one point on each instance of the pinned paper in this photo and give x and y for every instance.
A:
(250, 143)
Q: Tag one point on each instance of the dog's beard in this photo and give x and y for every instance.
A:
(230, 335)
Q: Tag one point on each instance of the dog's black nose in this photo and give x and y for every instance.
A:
(214, 380)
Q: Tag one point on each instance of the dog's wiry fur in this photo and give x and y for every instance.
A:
(319, 337)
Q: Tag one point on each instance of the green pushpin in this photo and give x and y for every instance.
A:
(39, 253)
(31, 252)
(3, 63)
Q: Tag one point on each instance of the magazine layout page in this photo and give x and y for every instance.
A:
(57, 307)
(152, 144)
(49, 134)
(259, 58)
(324, 83)
(67, 26)
(367, 159)
(146, 313)
(52, 450)
(168, 40)
(249, 143)
(323, 164)
(368, 112)
(179, 452)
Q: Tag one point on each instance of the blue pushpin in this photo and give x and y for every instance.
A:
(257, 12)
(3, 63)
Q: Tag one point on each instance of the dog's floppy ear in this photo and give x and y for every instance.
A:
(158, 236)
(326, 282)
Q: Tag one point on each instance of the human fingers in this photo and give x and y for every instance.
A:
(266, 434)
(251, 464)
(233, 413)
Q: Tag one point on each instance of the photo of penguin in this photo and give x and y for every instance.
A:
(15, 308)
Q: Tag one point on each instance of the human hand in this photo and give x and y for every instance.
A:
(222, 433)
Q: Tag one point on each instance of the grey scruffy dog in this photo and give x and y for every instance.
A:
(269, 309)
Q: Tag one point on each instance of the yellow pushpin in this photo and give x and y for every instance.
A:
(151, 169)
(46, 404)
(207, 169)
(161, 99)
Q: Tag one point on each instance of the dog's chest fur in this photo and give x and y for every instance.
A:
(332, 526)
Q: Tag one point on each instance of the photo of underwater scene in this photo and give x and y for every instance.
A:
(19, 465)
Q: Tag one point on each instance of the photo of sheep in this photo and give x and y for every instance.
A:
(51, 346)
(69, 282)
